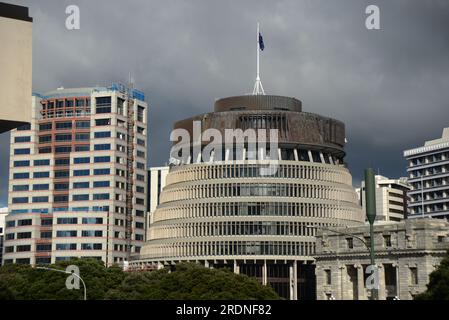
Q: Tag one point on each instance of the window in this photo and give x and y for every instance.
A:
(22, 139)
(47, 222)
(139, 225)
(43, 162)
(41, 186)
(387, 241)
(140, 165)
(141, 154)
(101, 196)
(82, 136)
(80, 197)
(45, 150)
(82, 124)
(10, 236)
(63, 149)
(40, 199)
(141, 142)
(91, 246)
(413, 276)
(60, 198)
(77, 209)
(92, 233)
(92, 220)
(101, 184)
(24, 235)
(41, 174)
(23, 248)
(80, 185)
(102, 159)
(20, 200)
(103, 105)
(63, 137)
(81, 160)
(102, 122)
(66, 246)
(104, 146)
(139, 237)
(22, 163)
(140, 130)
(45, 126)
(62, 162)
(78, 173)
(24, 222)
(79, 148)
(67, 220)
(10, 224)
(24, 127)
(62, 173)
(63, 125)
(139, 213)
(140, 177)
(21, 175)
(140, 113)
(140, 201)
(46, 234)
(98, 172)
(43, 247)
(140, 189)
(66, 233)
(22, 151)
(102, 134)
(350, 243)
(20, 187)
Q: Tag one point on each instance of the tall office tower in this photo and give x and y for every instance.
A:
(156, 182)
(391, 198)
(256, 216)
(3, 213)
(77, 183)
(15, 66)
(428, 169)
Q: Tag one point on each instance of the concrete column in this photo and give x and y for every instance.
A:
(264, 273)
(342, 292)
(382, 288)
(236, 267)
(291, 282)
(361, 283)
(309, 153)
(295, 280)
(206, 264)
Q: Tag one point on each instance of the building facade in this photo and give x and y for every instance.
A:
(406, 253)
(428, 169)
(255, 216)
(77, 182)
(391, 198)
(3, 213)
(15, 66)
(156, 182)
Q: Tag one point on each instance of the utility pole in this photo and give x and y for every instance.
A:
(370, 198)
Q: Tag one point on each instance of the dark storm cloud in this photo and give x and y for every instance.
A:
(390, 86)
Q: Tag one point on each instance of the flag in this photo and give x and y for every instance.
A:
(261, 44)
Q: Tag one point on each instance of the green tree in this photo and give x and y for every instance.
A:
(438, 286)
(188, 282)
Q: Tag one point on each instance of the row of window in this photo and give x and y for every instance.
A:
(118, 209)
(63, 174)
(59, 234)
(49, 221)
(61, 198)
(58, 246)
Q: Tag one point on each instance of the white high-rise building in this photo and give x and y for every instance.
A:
(156, 182)
(3, 213)
(428, 168)
(391, 198)
(77, 183)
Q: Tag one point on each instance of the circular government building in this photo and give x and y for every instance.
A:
(253, 207)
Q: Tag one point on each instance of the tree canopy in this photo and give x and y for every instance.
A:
(188, 281)
(438, 286)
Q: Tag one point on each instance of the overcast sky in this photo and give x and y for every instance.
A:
(389, 86)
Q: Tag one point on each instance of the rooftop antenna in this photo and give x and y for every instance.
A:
(258, 88)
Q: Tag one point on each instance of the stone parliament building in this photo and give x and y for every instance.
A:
(406, 253)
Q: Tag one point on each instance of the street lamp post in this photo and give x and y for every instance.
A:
(370, 196)
(70, 273)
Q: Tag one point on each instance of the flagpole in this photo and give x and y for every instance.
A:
(257, 49)
(258, 88)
